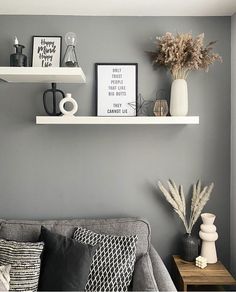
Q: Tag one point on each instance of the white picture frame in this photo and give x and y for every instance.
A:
(116, 89)
(46, 51)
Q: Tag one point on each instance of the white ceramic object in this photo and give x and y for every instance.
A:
(179, 98)
(208, 235)
(68, 99)
(201, 262)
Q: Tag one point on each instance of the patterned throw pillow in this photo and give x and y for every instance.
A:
(113, 262)
(24, 258)
(5, 277)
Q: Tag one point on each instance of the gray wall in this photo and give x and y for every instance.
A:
(107, 171)
(233, 145)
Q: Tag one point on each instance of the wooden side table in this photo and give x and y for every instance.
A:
(189, 274)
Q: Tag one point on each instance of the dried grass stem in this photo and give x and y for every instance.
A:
(176, 198)
(182, 53)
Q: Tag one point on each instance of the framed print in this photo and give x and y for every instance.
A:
(116, 89)
(46, 51)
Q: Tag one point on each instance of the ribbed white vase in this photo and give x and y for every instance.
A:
(179, 98)
(208, 235)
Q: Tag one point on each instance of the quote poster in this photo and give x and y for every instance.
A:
(116, 89)
(46, 51)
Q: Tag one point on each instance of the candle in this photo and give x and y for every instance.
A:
(16, 41)
(201, 262)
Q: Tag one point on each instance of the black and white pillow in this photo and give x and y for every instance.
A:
(24, 258)
(113, 262)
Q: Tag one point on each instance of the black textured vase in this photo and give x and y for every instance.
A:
(18, 59)
(189, 248)
(51, 100)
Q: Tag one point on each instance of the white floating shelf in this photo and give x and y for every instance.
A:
(42, 74)
(89, 120)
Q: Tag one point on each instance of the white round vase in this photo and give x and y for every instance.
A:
(208, 235)
(179, 98)
(68, 99)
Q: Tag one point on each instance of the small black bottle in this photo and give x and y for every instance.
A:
(18, 59)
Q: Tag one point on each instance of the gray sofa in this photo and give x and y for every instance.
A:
(150, 274)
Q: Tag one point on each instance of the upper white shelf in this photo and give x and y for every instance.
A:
(89, 120)
(42, 74)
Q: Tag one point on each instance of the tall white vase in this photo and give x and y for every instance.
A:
(208, 235)
(179, 98)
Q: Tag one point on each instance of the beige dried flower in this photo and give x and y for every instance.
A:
(175, 197)
(184, 53)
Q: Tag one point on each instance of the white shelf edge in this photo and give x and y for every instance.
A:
(89, 120)
(42, 74)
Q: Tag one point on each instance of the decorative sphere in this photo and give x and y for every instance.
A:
(70, 39)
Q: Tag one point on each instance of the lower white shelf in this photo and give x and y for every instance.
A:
(91, 120)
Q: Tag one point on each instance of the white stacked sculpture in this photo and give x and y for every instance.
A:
(208, 235)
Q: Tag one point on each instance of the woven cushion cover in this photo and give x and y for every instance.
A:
(24, 258)
(24, 230)
(113, 262)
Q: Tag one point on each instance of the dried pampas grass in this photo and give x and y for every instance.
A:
(184, 53)
(175, 197)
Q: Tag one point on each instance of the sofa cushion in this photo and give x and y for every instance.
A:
(24, 230)
(65, 263)
(113, 262)
(25, 259)
(143, 278)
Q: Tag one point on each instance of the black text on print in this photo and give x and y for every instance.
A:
(46, 50)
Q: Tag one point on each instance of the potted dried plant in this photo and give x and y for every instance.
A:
(181, 54)
(176, 198)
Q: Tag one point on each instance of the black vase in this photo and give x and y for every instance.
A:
(189, 246)
(51, 100)
(18, 59)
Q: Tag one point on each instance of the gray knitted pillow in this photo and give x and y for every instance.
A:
(24, 258)
(113, 262)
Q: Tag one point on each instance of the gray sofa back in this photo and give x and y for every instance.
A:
(25, 230)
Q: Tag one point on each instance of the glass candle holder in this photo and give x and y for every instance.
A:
(160, 108)
(70, 57)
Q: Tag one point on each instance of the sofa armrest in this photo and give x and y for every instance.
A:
(162, 276)
(143, 277)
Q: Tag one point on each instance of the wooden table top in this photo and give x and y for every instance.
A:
(213, 274)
